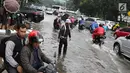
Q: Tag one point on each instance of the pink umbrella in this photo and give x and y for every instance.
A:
(11, 6)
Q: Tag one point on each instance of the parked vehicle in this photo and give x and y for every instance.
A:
(122, 46)
(32, 14)
(49, 11)
(122, 32)
(110, 24)
(88, 22)
(100, 21)
(95, 19)
(58, 8)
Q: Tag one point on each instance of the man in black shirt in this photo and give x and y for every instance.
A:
(63, 35)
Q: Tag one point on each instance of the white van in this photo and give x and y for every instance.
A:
(58, 8)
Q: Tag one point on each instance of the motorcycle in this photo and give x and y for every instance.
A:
(56, 24)
(90, 29)
(81, 27)
(99, 40)
(50, 68)
(115, 27)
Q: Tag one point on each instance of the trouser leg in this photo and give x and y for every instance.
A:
(60, 47)
(10, 69)
(65, 47)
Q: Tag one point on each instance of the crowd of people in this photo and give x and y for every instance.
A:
(95, 28)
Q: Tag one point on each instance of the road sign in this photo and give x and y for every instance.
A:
(122, 7)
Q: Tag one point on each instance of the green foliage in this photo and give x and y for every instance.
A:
(107, 9)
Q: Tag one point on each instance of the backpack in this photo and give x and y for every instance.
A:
(3, 46)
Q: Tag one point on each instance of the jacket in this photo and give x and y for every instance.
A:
(27, 59)
(13, 48)
(105, 28)
(64, 32)
(94, 25)
(99, 30)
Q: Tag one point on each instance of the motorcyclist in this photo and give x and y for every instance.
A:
(116, 26)
(105, 27)
(72, 21)
(98, 32)
(93, 26)
(57, 22)
(81, 23)
(32, 57)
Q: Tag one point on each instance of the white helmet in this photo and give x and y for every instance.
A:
(67, 21)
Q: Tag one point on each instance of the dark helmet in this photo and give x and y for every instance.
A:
(101, 25)
(35, 37)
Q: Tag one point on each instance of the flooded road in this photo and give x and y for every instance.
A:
(82, 55)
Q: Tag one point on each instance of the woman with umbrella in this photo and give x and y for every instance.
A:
(9, 6)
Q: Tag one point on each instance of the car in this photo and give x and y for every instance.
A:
(109, 24)
(122, 32)
(40, 15)
(100, 22)
(32, 14)
(88, 22)
(95, 19)
(49, 11)
(121, 46)
(59, 8)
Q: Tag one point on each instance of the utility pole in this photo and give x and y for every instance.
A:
(66, 4)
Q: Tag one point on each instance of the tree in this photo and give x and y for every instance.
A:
(107, 9)
(23, 2)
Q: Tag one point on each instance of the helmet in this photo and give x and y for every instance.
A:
(67, 21)
(101, 25)
(35, 37)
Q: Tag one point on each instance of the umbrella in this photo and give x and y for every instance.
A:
(11, 6)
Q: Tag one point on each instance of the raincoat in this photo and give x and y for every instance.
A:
(98, 31)
(94, 25)
(105, 28)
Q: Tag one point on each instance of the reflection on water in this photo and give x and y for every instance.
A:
(60, 65)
